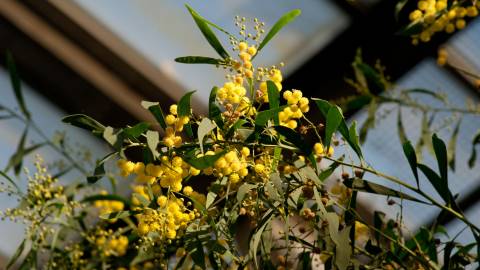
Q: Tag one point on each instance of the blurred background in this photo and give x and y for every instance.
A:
(101, 58)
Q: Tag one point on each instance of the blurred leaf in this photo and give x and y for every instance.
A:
(184, 108)
(452, 145)
(284, 20)
(262, 117)
(238, 124)
(117, 215)
(358, 102)
(414, 28)
(424, 137)
(214, 111)
(374, 79)
(426, 92)
(16, 84)
(204, 162)
(108, 197)
(142, 199)
(199, 60)
(205, 126)
(156, 111)
(10, 180)
(257, 235)
(293, 137)
(352, 134)
(399, 7)
(243, 190)
(137, 130)
(401, 130)
(16, 255)
(153, 139)
(369, 122)
(412, 159)
(473, 155)
(85, 122)
(327, 172)
(208, 33)
(369, 187)
(333, 121)
(273, 99)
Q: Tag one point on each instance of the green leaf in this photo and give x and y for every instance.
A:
(441, 154)
(333, 121)
(184, 108)
(473, 155)
(142, 199)
(156, 111)
(358, 102)
(262, 117)
(374, 79)
(117, 215)
(284, 20)
(414, 28)
(452, 145)
(199, 60)
(369, 122)
(257, 236)
(214, 111)
(205, 126)
(352, 134)
(399, 7)
(210, 199)
(153, 139)
(16, 255)
(99, 171)
(401, 130)
(327, 172)
(243, 190)
(198, 254)
(17, 158)
(412, 159)
(16, 84)
(110, 136)
(204, 162)
(437, 182)
(293, 137)
(10, 180)
(85, 122)
(273, 99)
(369, 187)
(137, 130)
(208, 33)
(433, 94)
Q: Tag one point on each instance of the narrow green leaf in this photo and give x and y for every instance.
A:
(437, 182)
(243, 190)
(85, 122)
(262, 117)
(414, 28)
(99, 171)
(333, 121)
(117, 215)
(257, 236)
(374, 80)
(153, 139)
(199, 60)
(214, 111)
(452, 145)
(412, 159)
(442, 158)
(431, 93)
(473, 155)
(17, 158)
(352, 134)
(10, 180)
(238, 124)
(329, 171)
(284, 20)
(208, 33)
(156, 111)
(369, 187)
(184, 108)
(16, 255)
(198, 254)
(108, 197)
(358, 102)
(293, 137)
(273, 99)
(142, 199)
(137, 130)
(401, 130)
(205, 126)
(205, 161)
(369, 122)
(16, 85)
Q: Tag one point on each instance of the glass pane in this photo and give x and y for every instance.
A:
(163, 30)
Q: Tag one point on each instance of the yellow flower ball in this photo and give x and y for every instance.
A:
(259, 168)
(188, 190)
(245, 152)
(242, 46)
(173, 109)
(162, 201)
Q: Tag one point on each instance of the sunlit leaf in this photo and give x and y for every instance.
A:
(284, 20)
(208, 33)
(153, 139)
(262, 117)
(205, 126)
(156, 111)
(137, 130)
(184, 108)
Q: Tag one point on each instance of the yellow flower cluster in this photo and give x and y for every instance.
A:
(320, 150)
(175, 124)
(232, 92)
(297, 106)
(246, 53)
(439, 17)
(112, 245)
(42, 186)
(231, 165)
(171, 216)
(107, 206)
(442, 57)
(274, 75)
(170, 172)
